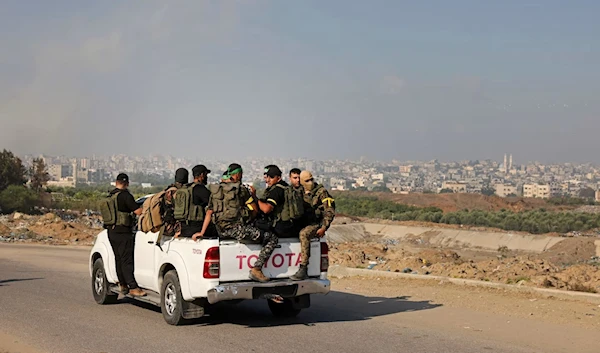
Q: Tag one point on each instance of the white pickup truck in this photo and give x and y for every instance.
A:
(185, 277)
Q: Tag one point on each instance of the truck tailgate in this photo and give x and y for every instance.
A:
(236, 259)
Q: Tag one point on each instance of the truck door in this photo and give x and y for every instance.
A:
(144, 256)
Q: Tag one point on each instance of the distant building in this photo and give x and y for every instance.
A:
(503, 190)
(540, 191)
(378, 176)
(68, 182)
(55, 171)
(454, 186)
(405, 169)
(597, 196)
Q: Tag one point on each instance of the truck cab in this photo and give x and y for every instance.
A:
(185, 277)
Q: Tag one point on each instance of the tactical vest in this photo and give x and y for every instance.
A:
(227, 204)
(184, 208)
(312, 199)
(293, 205)
(111, 216)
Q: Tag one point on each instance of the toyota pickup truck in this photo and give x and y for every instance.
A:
(185, 277)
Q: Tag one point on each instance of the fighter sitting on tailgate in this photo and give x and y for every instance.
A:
(319, 212)
(233, 207)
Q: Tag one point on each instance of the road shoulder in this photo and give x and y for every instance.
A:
(13, 344)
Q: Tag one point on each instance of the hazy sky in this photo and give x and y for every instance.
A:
(318, 79)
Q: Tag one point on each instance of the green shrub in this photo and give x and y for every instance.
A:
(18, 198)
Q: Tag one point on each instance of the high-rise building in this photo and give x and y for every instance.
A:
(75, 172)
(55, 171)
(504, 166)
(510, 163)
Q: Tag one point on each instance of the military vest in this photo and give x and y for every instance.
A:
(184, 208)
(111, 216)
(293, 205)
(227, 204)
(312, 198)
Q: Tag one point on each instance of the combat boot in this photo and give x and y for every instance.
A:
(137, 292)
(301, 274)
(123, 289)
(256, 274)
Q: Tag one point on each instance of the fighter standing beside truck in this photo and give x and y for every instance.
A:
(121, 237)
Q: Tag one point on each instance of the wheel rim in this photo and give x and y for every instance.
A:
(99, 282)
(170, 299)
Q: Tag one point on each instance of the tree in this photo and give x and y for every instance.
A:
(18, 198)
(12, 171)
(587, 193)
(487, 191)
(381, 188)
(38, 174)
(446, 191)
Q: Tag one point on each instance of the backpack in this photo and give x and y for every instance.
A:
(184, 207)
(108, 209)
(227, 204)
(153, 209)
(293, 206)
(111, 216)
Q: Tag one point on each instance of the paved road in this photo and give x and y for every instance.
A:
(46, 301)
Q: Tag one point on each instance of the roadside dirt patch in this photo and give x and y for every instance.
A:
(581, 278)
(502, 267)
(61, 230)
(12, 344)
(4, 229)
(571, 251)
(49, 228)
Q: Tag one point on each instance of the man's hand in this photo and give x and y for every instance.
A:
(197, 235)
(252, 190)
(321, 232)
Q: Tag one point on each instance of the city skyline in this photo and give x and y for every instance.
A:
(503, 178)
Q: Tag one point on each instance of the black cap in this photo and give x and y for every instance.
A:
(273, 171)
(268, 167)
(181, 176)
(123, 177)
(199, 169)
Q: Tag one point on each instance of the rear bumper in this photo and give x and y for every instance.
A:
(256, 290)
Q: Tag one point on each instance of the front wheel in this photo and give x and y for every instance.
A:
(283, 310)
(102, 295)
(171, 299)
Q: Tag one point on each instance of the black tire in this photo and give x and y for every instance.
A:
(171, 299)
(100, 290)
(283, 310)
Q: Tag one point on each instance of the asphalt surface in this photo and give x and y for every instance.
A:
(46, 301)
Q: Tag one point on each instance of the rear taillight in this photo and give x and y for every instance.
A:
(324, 257)
(211, 263)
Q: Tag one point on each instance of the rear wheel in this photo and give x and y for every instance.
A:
(171, 299)
(102, 295)
(283, 310)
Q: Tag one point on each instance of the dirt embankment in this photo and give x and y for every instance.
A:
(49, 228)
(571, 264)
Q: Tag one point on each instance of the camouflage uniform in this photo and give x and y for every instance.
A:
(247, 232)
(320, 214)
(240, 229)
